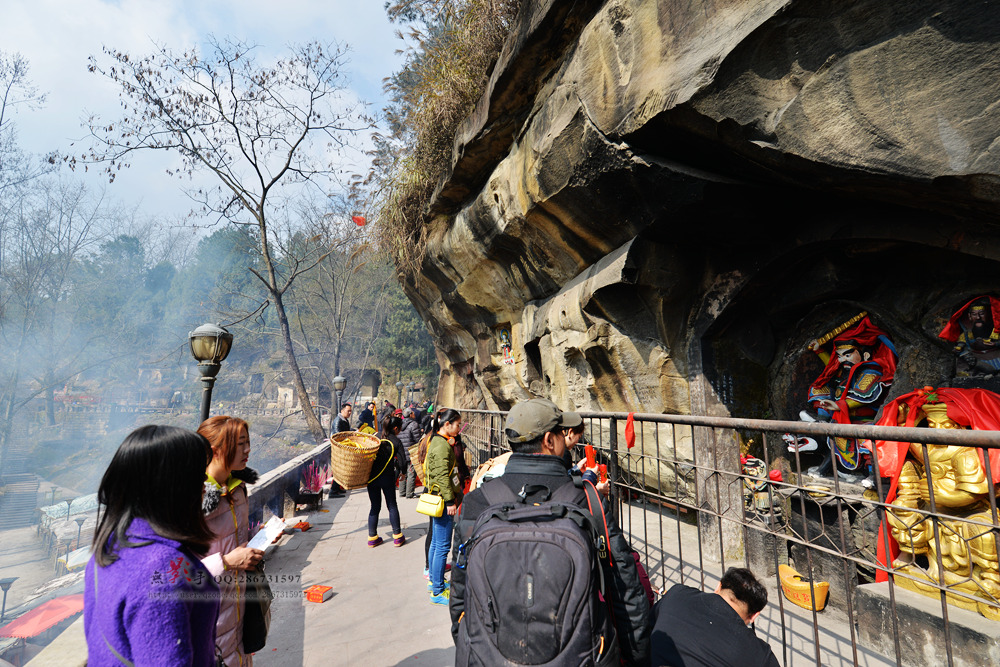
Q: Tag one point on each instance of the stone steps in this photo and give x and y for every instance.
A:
(19, 501)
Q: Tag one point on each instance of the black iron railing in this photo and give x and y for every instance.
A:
(682, 498)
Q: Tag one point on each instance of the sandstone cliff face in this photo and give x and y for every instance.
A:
(664, 202)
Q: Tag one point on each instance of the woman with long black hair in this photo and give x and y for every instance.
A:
(383, 481)
(439, 479)
(148, 600)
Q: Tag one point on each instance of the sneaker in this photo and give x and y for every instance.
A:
(430, 586)
(427, 574)
(398, 540)
(374, 541)
(441, 598)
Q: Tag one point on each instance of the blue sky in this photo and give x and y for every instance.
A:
(57, 36)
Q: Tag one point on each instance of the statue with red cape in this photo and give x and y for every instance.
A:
(962, 479)
(859, 366)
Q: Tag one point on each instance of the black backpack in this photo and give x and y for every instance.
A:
(532, 577)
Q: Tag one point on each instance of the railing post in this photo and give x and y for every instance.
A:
(491, 437)
(613, 473)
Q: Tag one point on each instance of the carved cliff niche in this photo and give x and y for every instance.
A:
(755, 354)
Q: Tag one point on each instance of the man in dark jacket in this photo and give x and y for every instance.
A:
(409, 436)
(535, 431)
(341, 424)
(700, 629)
(343, 421)
(367, 416)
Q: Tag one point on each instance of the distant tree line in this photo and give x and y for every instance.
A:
(89, 286)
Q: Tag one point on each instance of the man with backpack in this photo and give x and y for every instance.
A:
(535, 552)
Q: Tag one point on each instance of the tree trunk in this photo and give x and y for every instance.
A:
(315, 427)
(7, 426)
(50, 402)
(312, 422)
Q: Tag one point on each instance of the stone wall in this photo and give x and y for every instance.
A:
(664, 202)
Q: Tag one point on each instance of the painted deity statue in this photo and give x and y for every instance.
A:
(859, 366)
(965, 541)
(505, 347)
(973, 330)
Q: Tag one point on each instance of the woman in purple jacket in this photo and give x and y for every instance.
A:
(147, 599)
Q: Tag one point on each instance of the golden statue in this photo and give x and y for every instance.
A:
(965, 543)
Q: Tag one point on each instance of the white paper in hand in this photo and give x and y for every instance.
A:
(274, 527)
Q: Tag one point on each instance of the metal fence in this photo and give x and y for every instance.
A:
(683, 499)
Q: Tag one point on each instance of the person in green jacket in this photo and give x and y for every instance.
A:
(439, 478)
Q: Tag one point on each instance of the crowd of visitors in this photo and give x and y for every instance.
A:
(541, 572)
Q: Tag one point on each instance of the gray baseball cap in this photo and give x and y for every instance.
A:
(529, 420)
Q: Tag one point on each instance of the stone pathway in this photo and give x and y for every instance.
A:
(379, 614)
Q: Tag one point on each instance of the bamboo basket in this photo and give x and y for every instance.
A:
(351, 456)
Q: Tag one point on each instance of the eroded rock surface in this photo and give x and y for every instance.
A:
(664, 202)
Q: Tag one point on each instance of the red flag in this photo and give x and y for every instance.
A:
(359, 220)
(630, 430)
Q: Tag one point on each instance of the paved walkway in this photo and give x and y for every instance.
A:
(379, 614)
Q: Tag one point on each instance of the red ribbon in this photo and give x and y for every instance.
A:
(630, 430)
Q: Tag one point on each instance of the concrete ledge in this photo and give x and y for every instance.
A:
(272, 487)
(975, 640)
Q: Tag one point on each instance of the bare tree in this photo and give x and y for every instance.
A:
(262, 132)
(16, 93)
(49, 230)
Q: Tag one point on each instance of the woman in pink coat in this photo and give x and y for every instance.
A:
(227, 515)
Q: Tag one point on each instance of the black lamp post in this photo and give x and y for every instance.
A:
(5, 584)
(80, 520)
(399, 393)
(210, 345)
(409, 391)
(339, 384)
(65, 543)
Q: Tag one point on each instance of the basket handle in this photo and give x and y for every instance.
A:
(392, 455)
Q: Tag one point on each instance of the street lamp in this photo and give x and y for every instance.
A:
(409, 389)
(66, 542)
(210, 345)
(399, 393)
(5, 584)
(339, 384)
(80, 520)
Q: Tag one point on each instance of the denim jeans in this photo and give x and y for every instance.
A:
(440, 544)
